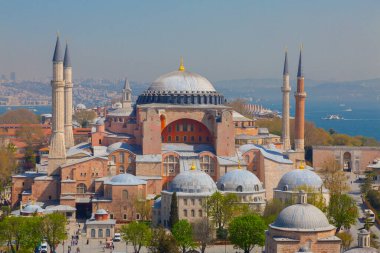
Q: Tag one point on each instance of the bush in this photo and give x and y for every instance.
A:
(373, 196)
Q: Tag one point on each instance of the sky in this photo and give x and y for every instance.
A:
(221, 40)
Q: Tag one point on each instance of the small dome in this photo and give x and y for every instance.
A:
(193, 181)
(32, 209)
(304, 217)
(100, 122)
(101, 212)
(239, 180)
(81, 107)
(125, 179)
(122, 145)
(299, 177)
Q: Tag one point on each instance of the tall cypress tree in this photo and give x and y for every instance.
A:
(173, 218)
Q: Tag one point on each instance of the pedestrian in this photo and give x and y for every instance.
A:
(87, 241)
(78, 250)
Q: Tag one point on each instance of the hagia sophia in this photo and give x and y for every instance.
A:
(179, 136)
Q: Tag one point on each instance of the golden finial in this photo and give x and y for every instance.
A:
(193, 167)
(181, 66)
(239, 167)
(301, 47)
(302, 165)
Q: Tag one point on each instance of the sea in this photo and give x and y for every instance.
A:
(363, 119)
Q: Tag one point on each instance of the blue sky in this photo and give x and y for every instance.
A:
(218, 39)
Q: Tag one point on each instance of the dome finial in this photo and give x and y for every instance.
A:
(181, 66)
(193, 166)
(302, 165)
(239, 167)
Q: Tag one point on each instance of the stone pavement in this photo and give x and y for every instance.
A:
(97, 246)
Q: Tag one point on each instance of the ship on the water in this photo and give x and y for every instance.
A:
(333, 117)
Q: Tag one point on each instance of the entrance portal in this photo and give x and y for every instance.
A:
(347, 161)
(84, 210)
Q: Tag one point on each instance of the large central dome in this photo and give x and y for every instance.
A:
(182, 81)
(181, 87)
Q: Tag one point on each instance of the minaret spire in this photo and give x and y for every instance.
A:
(127, 95)
(300, 96)
(68, 77)
(57, 151)
(285, 105)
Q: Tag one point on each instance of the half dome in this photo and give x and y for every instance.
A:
(125, 179)
(193, 181)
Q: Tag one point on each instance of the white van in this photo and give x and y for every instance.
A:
(368, 214)
(117, 237)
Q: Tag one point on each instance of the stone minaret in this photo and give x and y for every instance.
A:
(68, 77)
(127, 95)
(300, 95)
(57, 151)
(285, 106)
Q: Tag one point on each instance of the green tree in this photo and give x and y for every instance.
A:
(334, 178)
(54, 229)
(272, 210)
(173, 216)
(137, 233)
(247, 231)
(182, 232)
(202, 233)
(367, 185)
(342, 211)
(373, 196)
(346, 238)
(162, 242)
(314, 197)
(222, 208)
(84, 117)
(8, 166)
(22, 234)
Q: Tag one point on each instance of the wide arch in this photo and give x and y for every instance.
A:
(186, 131)
(347, 164)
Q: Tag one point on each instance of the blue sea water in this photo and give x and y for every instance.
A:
(364, 119)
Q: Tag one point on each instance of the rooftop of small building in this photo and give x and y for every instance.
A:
(267, 153)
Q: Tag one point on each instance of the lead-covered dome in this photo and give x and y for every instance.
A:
(193, 181)
(299, 177)
(240, 180)
(181, 87)
(31, 208)
(302, 217)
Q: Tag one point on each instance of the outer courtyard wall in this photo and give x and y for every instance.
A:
(361, 157)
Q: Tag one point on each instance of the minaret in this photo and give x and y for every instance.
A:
(57, 151)
(68, 77)
(127, 95)
(300, 95)
(285, 105)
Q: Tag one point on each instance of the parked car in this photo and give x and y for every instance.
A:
(369, 215)
(117, 237)
(44, 247)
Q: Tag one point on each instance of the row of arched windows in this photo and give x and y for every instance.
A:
(100, 233)
(171, 165)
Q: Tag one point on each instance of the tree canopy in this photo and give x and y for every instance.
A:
(138, 234)
(342, 211)
(203, 233)
(182, 232)
(162, 242)
(19, 116)
(53, 227)
(247, 231)
(334, 179)
(173, 216)
(84, 117)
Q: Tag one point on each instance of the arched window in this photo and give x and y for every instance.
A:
(124, 194)
(185, 212)
(121, 169)
(222, 187)
(207, 164)
(108, 232)
(100, 233)
(239, 188)
(171, 165)
(92, 233)
(113, 159)
(246, 158)
(81, 188)
(121, 157)
(256, 187)
(285, 188)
